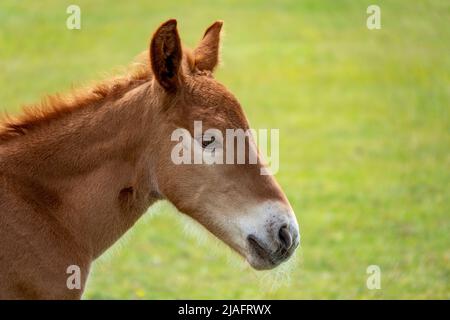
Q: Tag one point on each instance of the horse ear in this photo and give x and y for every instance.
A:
(207, 53)
(166, 55)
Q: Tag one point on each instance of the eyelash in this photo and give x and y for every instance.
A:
(206, 143)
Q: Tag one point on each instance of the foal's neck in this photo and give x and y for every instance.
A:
(97, 163)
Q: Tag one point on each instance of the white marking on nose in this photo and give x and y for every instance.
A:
(265, 222)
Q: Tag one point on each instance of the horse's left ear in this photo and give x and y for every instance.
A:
(207, 52)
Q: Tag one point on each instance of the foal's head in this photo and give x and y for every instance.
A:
(238, 204)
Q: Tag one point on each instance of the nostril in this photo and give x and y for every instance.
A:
(285, 237)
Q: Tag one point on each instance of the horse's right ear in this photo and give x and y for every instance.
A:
(166, 55)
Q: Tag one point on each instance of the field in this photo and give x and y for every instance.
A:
(364, 138)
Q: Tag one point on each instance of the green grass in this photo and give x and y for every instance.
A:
(364, 132)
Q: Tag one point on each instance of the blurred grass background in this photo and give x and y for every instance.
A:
(364, 132)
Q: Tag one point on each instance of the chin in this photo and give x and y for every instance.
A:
(261, 265)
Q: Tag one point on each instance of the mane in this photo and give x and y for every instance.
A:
(56, 106)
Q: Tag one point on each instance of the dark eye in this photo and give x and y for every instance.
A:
(207, 141)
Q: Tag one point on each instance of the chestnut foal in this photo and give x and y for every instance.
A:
(77, 172)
